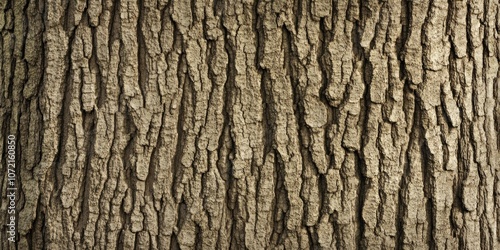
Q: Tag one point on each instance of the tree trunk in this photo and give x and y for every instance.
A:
(261, 124)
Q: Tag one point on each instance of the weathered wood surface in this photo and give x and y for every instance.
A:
(252, 124)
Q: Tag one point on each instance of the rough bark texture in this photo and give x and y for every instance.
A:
(241, 124)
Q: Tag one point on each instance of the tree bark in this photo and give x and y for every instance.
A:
(261, 124)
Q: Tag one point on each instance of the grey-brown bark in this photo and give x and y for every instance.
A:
(252, 124)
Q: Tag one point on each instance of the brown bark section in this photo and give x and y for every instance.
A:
(262, 124)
